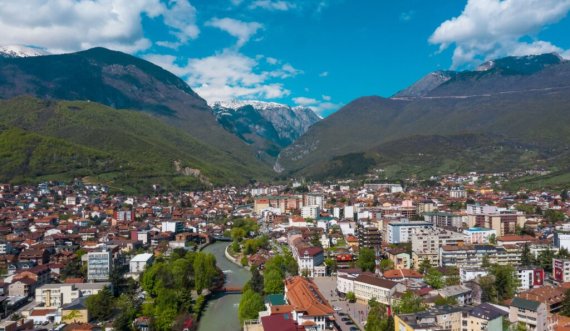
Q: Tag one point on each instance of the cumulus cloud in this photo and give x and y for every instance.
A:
(64, 25)
(272, 5)
(243, 31)
(324, 74)
(493, 28)
(229, 75)
(321, 107)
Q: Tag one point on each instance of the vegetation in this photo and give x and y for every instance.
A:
(501, 284)
(125, 149)
(101, 305)
(277, 268)
(434, 278)
(170, 283)
(350, 296)
(250, 305)
(366, 259)
(409, 303)
(377, 319)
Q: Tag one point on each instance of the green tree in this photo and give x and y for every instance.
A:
(493, 239)
(100, 306)
(424, 266)
(434, 278)
(273, 282)
(409, 303)
(256, 282)
(366, 259)
(441, 301)
(204, 271)
(386, 264)
(331, 264)
(485, 262)
(526, 256)
(554, 216)
(376, 314)
(545, 259)
(237, 234)
(488, 289)
(566, 304)
(350, 296)
(505, 281)
(250, 305)
(563, 253)
(127, 308)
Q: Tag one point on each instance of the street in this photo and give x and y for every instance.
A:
(357, 311)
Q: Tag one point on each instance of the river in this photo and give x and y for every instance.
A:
(222, 309)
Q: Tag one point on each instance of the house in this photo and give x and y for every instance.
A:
(462, 294)
(484, 317)
(21, 288)
(434, 319)
(310, 308)
(139, 262)
(400, 258)
(531, 313)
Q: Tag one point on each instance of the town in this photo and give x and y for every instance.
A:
(451, 253)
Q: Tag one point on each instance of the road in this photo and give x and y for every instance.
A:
(357, 311)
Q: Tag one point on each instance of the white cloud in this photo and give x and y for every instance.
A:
(407, 16)
(243, 31)
(324, 74)
(271, 60)
(326, 97)
(228, 75)
(325, 107)
(64, 25)
(493, 28)
(304, 101)
(272, 5)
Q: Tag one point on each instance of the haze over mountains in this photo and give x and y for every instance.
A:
(511, 113)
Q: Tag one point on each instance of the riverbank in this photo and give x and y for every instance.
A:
(233, 259)
(221, 312)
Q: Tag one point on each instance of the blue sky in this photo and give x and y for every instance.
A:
(318, 53)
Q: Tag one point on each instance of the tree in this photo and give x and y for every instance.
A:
(367, 259)
(409, 303)
(237, 234)
(204, 271)
(566, 304)
(100, 305)
(545, 259)
(488, 289)
(256, 282)
(526, 256)
(375, 320)
(434, 278)
(563, 253)
(244, 261)
(350, 296)
(564, 195)
(331, 264)
(493, 239)
(554, 216)
(424, 266)
(485, 262)
(441, 301)
(386, 264)
(273, 282)
(250, 305)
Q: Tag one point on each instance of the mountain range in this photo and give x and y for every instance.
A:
(267, 126)
(111, 117)
(508, 114)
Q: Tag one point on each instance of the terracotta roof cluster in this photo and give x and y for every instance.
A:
(305, 296)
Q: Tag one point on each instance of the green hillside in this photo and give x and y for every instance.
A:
(125, 149)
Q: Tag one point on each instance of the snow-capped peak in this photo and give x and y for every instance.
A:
(235, 104)
(21, 51)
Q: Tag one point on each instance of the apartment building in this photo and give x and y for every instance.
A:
(483, 317)
(532, 314)
(58, 295)
(561, 270)
(503, 222)
(139, 263)
(99, 265)
(472, 255)
(280, 203)
(479, 235)
(427, 241)
(444, 220)
(398, 232)
(435, 319)
(369, 236)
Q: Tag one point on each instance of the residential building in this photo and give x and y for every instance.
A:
(139, 263)
(314, 199)
(367, 286)
(479, 235)
(311, 211)
(561, 270)
(400, 231)
(99, 265)
(369, 236)
(472, 255)
(310, 308)
(562, 240)
(172, 226)
(484, 317)
(427, 241)
(444, 220)
(435, 319)
(531, 313)
(57, 295)
(461, 294)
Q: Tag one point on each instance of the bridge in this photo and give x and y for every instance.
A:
(230, 289)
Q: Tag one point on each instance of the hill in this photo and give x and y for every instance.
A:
(42, 139)
(121, 81)
(510, 114)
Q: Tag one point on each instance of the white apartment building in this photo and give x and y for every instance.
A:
(400, 231)
(139, 263)
(311, 211)
(58, 295)
(99, 265)
(172, 226)
(479, 235)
